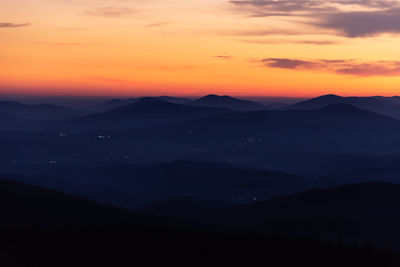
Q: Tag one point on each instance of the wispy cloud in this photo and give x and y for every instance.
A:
(285, 41)
(111, 11)
(223, 57)
(13, 25)
(264, 32)
(298, 7)
(345, 67)
(158, 24)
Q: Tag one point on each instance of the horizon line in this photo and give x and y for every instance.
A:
(124, 96)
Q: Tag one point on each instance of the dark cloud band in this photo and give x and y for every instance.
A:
(366, 18)
(13, 25)
(345, 67)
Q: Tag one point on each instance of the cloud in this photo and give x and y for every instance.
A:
(344, 67)
(13, 25)
(111, 11)
(353, 18)
(310, 42)
(283, 41)
(363, 24)
(263, 32)
(224, 57)
(158, 24)
(288, 7)
(285, 63)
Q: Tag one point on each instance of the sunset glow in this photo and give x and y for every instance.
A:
(194, 47)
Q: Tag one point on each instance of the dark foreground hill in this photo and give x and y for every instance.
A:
(358, 212)
(27, 206)
(353, 214)
(131, 186)
(133, 244)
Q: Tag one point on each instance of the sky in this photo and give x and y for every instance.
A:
(289, 48)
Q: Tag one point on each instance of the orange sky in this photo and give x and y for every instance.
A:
(195, 47)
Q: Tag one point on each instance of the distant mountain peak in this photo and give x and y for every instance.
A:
(213, 97)
(225, 101)
(389, 106)
(319, 101)
(210, 95)
(145, 112)
(330, 96)
(216, 96)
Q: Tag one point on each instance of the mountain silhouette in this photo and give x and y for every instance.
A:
(144, 112)
(352, 213)
(176, 100)
(244, 138)
(337, 128)
(162, 180)
(389, 106)
(53, 229)
(115, 103)
(319, 102)
(357, 212)
(26, 206)
(132, 186)
(227, 102)
(361, 201)
(119, 102)
(186, 208)
(41, 112)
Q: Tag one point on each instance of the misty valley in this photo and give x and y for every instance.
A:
(215, 180)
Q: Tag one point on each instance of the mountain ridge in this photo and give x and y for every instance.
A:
(227, 102)
(145, 112)
(389, 106)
